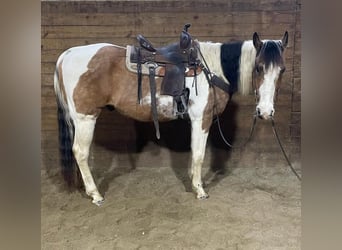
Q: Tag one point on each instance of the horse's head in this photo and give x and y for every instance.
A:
(269, 67)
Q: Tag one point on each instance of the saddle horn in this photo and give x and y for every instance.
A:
(186, 27)
(185, 38)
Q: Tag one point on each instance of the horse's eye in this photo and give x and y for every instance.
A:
(282, 70)
(259, 68)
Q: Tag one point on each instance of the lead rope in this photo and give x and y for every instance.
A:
(282, 149)
(256, 94)
(220, 130)
(225, 140)
(275, 132)
(250, 132)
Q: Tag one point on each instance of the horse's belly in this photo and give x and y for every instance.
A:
(142, 111)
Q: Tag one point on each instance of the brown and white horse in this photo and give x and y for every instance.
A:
(88, 78)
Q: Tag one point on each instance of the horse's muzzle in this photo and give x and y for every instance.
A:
(264, 115)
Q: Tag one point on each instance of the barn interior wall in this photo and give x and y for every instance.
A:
(70, 23)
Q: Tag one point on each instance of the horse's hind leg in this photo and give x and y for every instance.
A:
(84, 130)
(198, 145)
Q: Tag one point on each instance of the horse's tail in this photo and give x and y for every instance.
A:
(66, 131)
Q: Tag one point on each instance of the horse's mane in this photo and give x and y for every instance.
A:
(211, 53)
(247, 63)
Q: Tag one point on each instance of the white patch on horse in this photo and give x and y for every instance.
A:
(164, 104)
(197, 102)
(267, 90)
(198, 134)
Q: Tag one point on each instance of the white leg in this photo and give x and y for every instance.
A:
(198, 144)
(84, 130)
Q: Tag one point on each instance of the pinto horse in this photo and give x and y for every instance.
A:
(88, 78)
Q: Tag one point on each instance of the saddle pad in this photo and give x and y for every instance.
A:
(132, 67)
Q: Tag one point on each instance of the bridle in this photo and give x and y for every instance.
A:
(275, 132)
(209, 76)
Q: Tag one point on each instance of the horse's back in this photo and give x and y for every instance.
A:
(77, 58)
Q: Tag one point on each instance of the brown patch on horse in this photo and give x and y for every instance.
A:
(217, 101)
(108, 82)
(94, 87)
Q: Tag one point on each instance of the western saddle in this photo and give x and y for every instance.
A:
(174, 63)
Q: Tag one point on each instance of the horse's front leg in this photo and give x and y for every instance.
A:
(198, 144)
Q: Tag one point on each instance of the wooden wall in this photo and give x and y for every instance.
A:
(71, 23)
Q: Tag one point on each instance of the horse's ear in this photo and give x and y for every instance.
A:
(257, 42)
(285, 39)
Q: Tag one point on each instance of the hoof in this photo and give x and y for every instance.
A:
(202, 196)
(98, 202)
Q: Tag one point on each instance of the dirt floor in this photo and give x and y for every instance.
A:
(254, 203)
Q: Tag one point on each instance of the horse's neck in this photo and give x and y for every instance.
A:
(212, 55)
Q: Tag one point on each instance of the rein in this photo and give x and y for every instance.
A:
(226, 141)
(210, 78)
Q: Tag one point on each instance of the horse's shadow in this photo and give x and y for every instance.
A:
(175, 136)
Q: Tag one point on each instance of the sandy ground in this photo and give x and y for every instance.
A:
(254, 203)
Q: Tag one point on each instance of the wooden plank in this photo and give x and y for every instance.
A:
(54, 47)
(47, 91)
(48, 102)
(296, 102)
(295, 131)
(50, 55)
(131, 6)
(295, 118)
(297, 85)
(49, 120)
(260, 5)
(48, 68)
(217, 29)
(165, 6)
(46, 79)
(176, 19)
